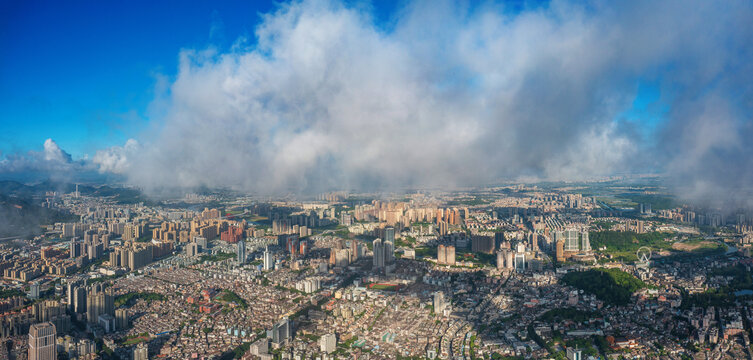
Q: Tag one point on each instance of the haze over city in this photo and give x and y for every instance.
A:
(331, 179)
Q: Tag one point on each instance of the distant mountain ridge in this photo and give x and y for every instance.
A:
(38, 190)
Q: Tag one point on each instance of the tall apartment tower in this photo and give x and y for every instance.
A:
(560, 251)
(121, 318)
(389, 252)
(389, 234)
(241, 252)
(378, 254)
(99, 301)
(450, 254)
(438, 302)
(585, 243)
(354, 250)
(42, 342)
(268, 260)
(141, 352)
(571, 240)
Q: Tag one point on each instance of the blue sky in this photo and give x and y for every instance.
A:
(83, 72)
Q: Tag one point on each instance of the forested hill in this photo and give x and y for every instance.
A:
(22, 217)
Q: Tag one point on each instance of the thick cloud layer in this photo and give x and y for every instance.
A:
(52, 159)
(447, 95)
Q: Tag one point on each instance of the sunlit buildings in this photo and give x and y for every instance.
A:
(446, 254)
(42, 344)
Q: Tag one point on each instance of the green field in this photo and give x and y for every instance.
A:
(131, 298)
(623, 245)
(612, 286)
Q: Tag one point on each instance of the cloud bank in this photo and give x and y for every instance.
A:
(52, 159)
(325, 97)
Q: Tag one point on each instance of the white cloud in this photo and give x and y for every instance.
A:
(53, 152)
(51, 160)
(449, 96)
(116, 159)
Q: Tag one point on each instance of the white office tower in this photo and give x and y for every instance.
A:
(269, 262)
(42, 344)
(378, 254)
(241, 252)
(584, 242)
(439, 302)
(328, 343)
(571, 240)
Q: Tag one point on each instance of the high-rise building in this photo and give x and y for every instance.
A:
(121, 318)
(534, 241)
(141, 352)
(115, 260)
(139, 257)
(75, 248)
(232, 235)
(99, 301)
(482, 244)
(328, 343)
(378, 254)
(509, 259)
(389, 234)
(442, 228)
(34, 290)
(446, 254)
(449, 256)
(79, 299)
(192, 249)
(520, 262)
(571, 240)
(42, 344)
(560, 250)
(354, 250)
(500, 259)
(241, 252)
(71, 287)
(585, 244)
(268, 259)
(389, 252)
(281, 331)
(499, 238)
(438, 302)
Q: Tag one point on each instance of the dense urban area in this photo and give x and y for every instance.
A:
(614, 269)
